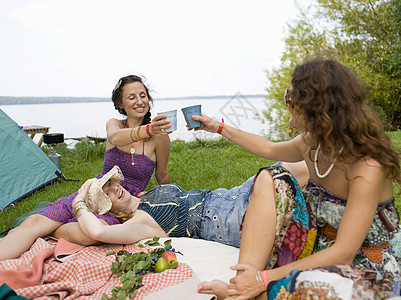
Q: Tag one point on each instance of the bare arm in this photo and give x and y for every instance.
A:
(134, 230)
(73, 233)
(162, 154)
(140, 226)
(283, 151)
(119, 136)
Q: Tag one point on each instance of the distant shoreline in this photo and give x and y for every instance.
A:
(9, 100)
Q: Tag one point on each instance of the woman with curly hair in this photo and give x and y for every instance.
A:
(341, 222)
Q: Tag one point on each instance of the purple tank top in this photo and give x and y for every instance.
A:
(136, 177)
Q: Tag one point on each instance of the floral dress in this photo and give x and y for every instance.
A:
(307, 222)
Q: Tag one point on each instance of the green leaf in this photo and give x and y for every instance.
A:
(127, 286)
(110, 253)
(140, 264)
(105, 297)
(121, 295)
(114, 267)
(115, 290)
(123, 278)
(153, 244)
(147, 264)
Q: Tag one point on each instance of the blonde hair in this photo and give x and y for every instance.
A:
(122, 216)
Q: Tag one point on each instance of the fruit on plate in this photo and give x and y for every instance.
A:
(171, 258)
(161, 265)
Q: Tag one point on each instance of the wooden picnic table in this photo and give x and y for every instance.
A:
(34, 129)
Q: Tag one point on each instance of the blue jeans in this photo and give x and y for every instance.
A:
(199, 213)
(223, 213)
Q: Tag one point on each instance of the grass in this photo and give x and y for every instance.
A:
(198, 164)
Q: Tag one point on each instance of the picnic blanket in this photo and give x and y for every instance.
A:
(61, 270)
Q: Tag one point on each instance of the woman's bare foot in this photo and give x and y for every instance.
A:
(214, 287)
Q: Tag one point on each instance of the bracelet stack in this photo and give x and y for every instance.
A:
(79, 209)
(134, 134)
(258, 278)
(262, 280)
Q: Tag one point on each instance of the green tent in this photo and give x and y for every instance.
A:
(24, 167)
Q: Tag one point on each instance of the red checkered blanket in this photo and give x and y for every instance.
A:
(38, 274)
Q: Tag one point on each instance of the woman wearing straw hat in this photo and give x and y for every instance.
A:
(50, 218)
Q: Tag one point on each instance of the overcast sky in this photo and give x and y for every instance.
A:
(81, 48)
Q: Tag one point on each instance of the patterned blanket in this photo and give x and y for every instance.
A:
(61, 270)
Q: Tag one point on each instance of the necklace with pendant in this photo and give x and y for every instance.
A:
(132, 151)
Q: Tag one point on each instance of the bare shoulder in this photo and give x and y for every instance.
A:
(143, 218)
(301, 142)
(139, 217)
(368, 174)
(161, 140)
(157, 140)
(368, 168)
(114, 121)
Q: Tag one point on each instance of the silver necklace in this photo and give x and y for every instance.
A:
(331, 166)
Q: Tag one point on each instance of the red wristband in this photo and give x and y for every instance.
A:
(147, 130)
(79, 201)
(220, 128)
(264, 276)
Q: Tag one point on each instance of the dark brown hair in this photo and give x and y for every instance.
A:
(118, 91)
(333, 106)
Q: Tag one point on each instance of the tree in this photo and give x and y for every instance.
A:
(362, 34)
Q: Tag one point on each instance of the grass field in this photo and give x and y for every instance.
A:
(199, 164)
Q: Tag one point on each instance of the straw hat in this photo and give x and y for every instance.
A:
(96, 200)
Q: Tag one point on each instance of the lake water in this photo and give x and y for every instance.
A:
(89, 119)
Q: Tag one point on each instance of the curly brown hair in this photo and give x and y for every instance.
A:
(332, 103)
(118, 91)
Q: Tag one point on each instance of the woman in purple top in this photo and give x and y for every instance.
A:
(137, 145)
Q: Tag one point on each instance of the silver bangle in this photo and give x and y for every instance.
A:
(258, 278)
